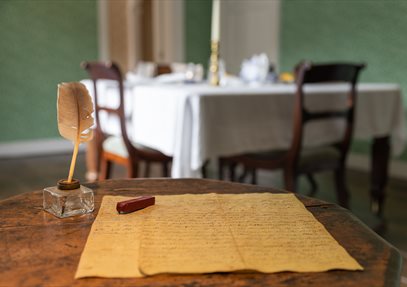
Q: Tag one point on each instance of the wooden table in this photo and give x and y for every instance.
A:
(37, 249)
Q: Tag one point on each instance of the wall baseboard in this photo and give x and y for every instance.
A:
(53, 146)
(38, 147)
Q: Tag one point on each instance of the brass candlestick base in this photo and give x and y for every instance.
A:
(214, 64)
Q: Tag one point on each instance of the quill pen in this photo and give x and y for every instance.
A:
(74, 110)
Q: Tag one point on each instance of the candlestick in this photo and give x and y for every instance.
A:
(214, 64)
(215, 35)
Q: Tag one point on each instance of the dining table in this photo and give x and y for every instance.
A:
(197, 122)
(39, 249)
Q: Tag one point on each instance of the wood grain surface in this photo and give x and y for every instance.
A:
(38, 249)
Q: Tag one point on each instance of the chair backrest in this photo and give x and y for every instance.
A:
(163, 69)
(151, 69)
(309, 73)
(108, 71)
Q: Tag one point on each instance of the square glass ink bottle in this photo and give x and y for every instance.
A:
(68, 199)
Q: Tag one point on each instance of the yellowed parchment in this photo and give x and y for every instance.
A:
(210, 233)
(263, 232)
(112, 248)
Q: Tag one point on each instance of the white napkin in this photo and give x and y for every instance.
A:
(255, 69)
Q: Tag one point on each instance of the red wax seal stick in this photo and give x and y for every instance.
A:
(132, 205)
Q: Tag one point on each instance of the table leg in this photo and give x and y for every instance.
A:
(380, 155)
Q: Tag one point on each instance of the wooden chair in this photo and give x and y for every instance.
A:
(114, 149)
(298, 160)
(163, 69)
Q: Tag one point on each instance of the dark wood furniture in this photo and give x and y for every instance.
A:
(163, 69)
(121, 150)
(40, 250)
(297, 159)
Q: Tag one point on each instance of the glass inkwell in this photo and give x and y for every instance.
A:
(75, 108)
(68, 199)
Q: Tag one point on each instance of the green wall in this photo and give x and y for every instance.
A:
(370, 31)
(197, 31)
(41, 44)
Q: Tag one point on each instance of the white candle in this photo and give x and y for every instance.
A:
(215, 20)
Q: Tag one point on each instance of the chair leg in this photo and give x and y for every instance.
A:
(341, 189)
(232, 171)
(105, 169)
(132, 170)
(147, 169)
(254, 176)
(313, 183)
(290, 180)
(204, 169)
(165, 169)
(220, 169)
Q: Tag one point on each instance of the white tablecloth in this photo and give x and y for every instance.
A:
(193, 123)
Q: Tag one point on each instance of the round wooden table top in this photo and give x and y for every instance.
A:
(38, 249)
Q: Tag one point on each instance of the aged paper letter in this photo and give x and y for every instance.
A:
(113, 242)
(212, 233)
(189, 234)
(275, 232)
